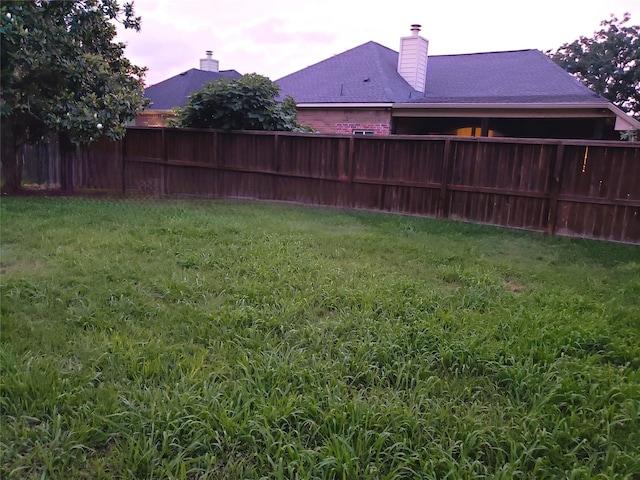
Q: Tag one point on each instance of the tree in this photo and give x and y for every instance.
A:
(63, 72)
(608, 62)
(246, 103)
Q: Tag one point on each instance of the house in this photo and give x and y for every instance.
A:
(174, 92)
(373, 90)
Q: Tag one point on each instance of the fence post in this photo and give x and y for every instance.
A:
(352, 157)
(66, 163)
(556, 180)
(276, 152)
(349, 166)
(443, 207)
(123, 157)
(214, 149)
(165, 168)
(342, 154)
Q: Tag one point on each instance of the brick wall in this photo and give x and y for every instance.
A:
(323, 120)
(346, 120)
(153, 118)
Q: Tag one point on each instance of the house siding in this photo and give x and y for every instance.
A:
(346, 120)
(412, 61)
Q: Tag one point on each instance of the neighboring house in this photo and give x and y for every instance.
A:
(175, 91)
(373, 90)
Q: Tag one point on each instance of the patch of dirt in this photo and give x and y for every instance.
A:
(514, 287)
(21, 267)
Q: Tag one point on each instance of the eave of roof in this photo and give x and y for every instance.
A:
(514, 110)
(454, 106)
(346, 105)
(599, 106)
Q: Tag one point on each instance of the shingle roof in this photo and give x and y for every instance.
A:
(343, 78)
(175, 91)
(523, 76)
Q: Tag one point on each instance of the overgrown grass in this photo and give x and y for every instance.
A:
(186, 339)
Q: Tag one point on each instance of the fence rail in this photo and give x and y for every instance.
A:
(571, 188)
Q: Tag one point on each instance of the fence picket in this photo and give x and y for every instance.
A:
(561, 187)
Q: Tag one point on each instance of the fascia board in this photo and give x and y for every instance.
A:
(344, 105)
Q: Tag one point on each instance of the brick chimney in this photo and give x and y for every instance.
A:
(209, 64)
(412, 61)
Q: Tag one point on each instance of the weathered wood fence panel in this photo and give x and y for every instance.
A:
(572, 188)
(397, 176)
(600, 193)
(99, 170)
(144, 171)
(501, 183)
(41, 162)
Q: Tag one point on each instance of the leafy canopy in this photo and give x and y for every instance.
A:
(62, 70)
(246, 103)
(608, 62)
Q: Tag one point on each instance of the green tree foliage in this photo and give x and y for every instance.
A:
(62, 71)
(608, 62)
(247, 103)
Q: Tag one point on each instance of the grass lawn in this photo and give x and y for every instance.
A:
(218, 339)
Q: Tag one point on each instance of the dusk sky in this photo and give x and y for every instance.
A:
(279, 37)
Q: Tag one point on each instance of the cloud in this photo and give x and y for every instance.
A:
(274, 31)
(279, 37)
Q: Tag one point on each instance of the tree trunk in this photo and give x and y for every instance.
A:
(11, 162)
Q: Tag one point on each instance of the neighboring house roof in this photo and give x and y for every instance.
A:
(368, 74)
(175, 91)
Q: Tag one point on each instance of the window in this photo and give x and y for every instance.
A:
(364, 132)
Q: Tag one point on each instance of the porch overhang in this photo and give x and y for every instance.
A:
(516, 110)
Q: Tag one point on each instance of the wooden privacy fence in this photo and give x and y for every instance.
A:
(572, 188)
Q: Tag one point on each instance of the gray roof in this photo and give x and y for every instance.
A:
(175, 91)
(342, 78)
(367, 74)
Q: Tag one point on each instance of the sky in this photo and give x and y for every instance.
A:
(278, 37)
